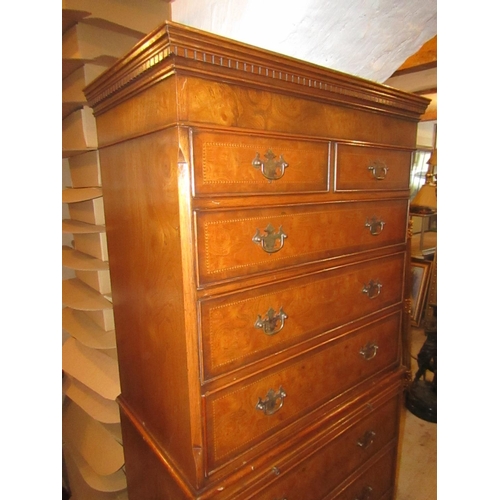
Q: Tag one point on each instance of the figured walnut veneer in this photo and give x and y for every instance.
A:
(256, 216)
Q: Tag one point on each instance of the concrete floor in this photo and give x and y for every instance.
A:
(417, 478)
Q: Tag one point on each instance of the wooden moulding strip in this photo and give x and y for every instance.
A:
(85, 330)
(173, 47)
(110, 483)
(90, 438)
(157, 450)
(101, 409)
(74, 195)
(74, 226)
(92, 368)
(79, 261)
(82, 297)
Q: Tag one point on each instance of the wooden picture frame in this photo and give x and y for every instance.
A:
(420, 275)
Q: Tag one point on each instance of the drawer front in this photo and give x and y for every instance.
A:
(237, 243)
(368, 168)
(228, 163)
(244, 327)
(372, 484)
(330, 464)
(242, 416)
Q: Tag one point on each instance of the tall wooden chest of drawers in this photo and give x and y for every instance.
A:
(256, 212)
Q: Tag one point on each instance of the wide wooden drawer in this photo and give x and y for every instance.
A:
(373, 483)
(231, 163)
(242, 416)
(243, 327)
(236, 243)
(370, 168)
(328, 464)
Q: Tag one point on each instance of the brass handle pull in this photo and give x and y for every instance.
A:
(366, 494)
(373, 289)
(274, 322)
(271, 169)
(378, 170)
(270, 242)
(272, 403)
(369, 351)
(366, 439)
(376, 226)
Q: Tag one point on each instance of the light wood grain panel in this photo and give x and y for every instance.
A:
(368, 168)
(312, 306)
(140, 183)
(225, 164)
(243, 107)
(233, 422)
(227, 248)
(327, 467)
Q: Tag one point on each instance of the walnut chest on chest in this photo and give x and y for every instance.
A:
(256, 213)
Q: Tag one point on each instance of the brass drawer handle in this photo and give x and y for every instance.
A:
(373, 289)
(271, 169)
(369, 351)
(366, 439)
(376, 226)
(379, 170)
(272, 403)
(366, 494)
(274, 322)
(270, 242)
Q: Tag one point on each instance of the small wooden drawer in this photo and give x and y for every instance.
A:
(373, 483)
(240, 417)
(361, 168)
(238, 243)
(330, 463)
(229, 163)
(248, 326)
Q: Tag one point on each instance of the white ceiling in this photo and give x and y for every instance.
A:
(367, 38)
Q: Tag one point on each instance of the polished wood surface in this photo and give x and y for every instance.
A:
(328, 300)
(258, 307)
(227, 164)
(308, 381)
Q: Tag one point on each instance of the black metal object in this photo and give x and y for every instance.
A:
(421, 397)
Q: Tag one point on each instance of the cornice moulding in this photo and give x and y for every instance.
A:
(176, 49)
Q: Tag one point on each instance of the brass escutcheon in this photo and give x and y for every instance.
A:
(369, 351)
(366, 494)
(373, 289)
(376, 226)
(270, 324)
(366, 439)
(270, 242)
(272, 403)
(271, 169)
(379, 170)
